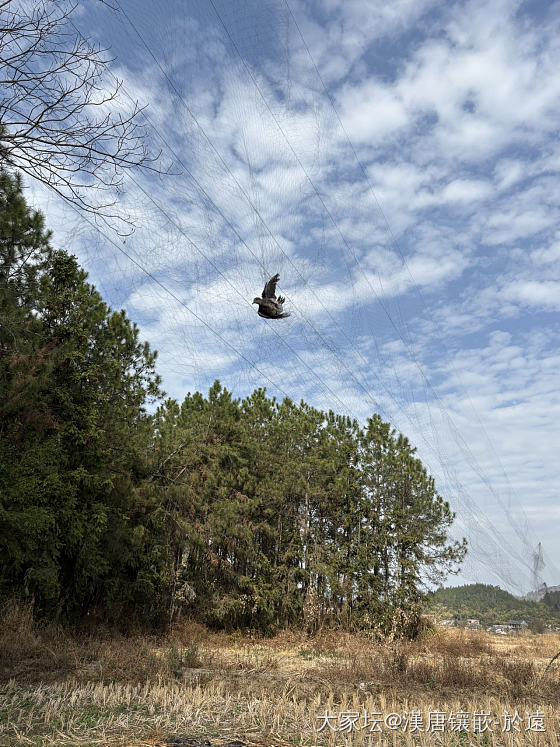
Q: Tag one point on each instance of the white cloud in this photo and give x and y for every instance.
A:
(466, 191)
(371, 111)
(508, 172)
(544, 293)
(547, 255)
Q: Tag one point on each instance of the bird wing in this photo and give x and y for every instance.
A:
(270, 288)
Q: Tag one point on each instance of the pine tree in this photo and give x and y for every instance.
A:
(281, 514)
(75, 380)
(408, 525)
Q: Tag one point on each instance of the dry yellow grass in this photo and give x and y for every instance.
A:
(58, 688)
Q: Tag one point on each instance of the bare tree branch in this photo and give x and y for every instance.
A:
(61, 121)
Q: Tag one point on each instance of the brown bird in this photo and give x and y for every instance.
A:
(271, 307)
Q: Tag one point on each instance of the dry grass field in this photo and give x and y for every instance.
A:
(453, 687)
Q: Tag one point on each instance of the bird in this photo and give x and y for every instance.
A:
(271, 307)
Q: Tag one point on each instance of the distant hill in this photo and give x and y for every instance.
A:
(492, 605)
(541, 592)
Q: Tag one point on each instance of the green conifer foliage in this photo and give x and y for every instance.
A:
(238, 512)
(286, 515)
(74, 381)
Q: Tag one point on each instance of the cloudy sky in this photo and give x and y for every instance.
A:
(397, 163)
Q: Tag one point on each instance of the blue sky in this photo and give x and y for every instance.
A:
(397, 163)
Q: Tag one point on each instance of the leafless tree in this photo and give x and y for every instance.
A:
(63, 119)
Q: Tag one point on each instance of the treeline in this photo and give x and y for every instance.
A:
(238, 512)
(552, 600)
(492, 605)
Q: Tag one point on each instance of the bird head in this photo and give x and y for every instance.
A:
(257, 300)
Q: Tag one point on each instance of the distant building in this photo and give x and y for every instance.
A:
(517, 625)
(473, 624)
(497, 629)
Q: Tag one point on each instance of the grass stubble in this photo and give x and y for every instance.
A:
(99, 688)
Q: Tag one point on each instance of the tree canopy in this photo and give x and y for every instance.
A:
(241, 512)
